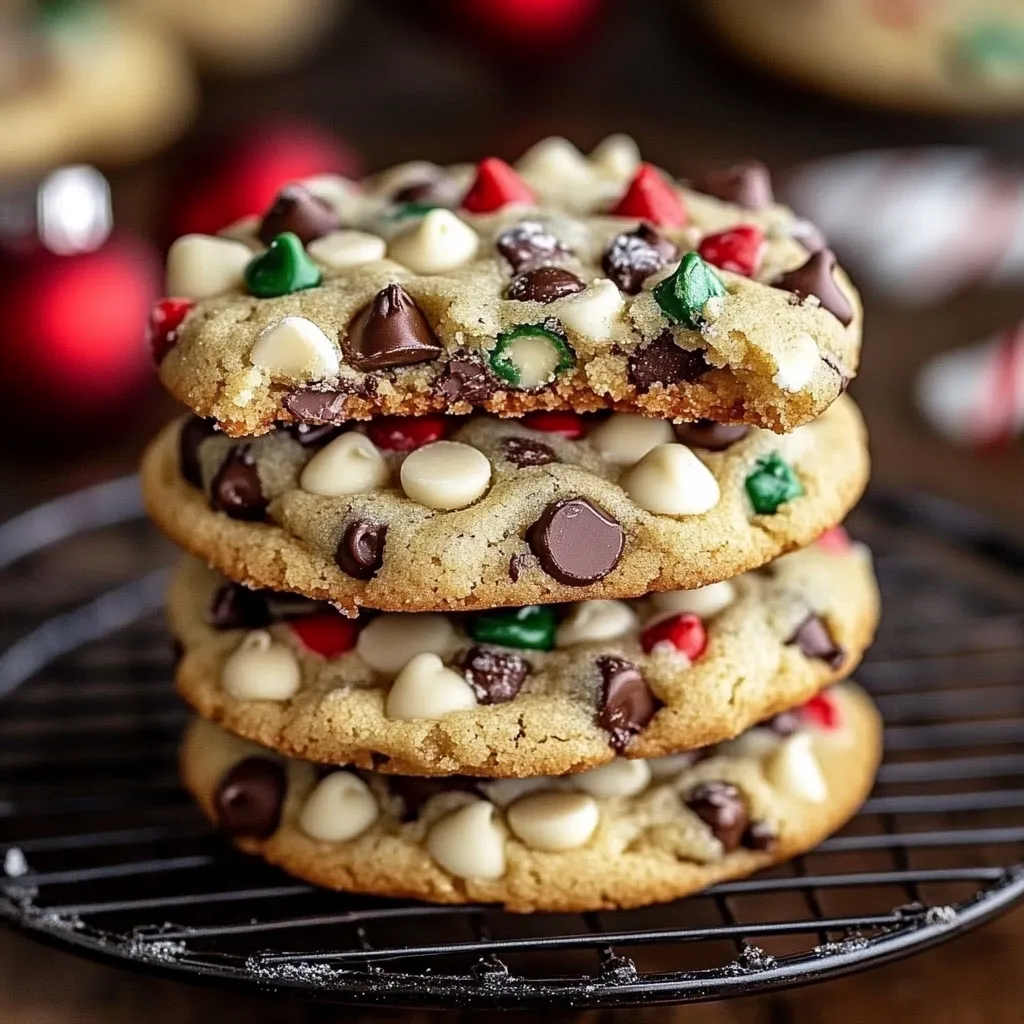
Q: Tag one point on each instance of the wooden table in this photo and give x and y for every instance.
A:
(399, 90)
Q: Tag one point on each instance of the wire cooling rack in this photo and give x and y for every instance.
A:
(102, 853)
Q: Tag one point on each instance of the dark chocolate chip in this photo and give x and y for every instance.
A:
(320, 407)
(816, 278)
(390, 331)
(523, 451)
(785, 723)
(748, 184)
(415, 790)
(235, 489)
(707, 434)
(434, 186)
(760, 836)
(249, 798)
(360, 551)
(496, 676)
(544, 284)
(577, 543)
(313, 435)
(721, 807)
(297, 210)
(529, 243)
(662, 361)
(465, 380)
(193, 433)
(813, 638)
(627, 703)
(237, 607)
(177, 653)
(634, 255)
(516, 565)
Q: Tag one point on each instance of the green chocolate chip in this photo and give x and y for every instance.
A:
(532, 627)
(530, 356)
(683, 296)
(992, 50)
(282, 269)
(772, 484)
(407, 210)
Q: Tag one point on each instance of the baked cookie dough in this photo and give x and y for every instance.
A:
(87, 82)
(628, 834)
(522, 691)
(954, 56)
(431, 515)
(569, 282)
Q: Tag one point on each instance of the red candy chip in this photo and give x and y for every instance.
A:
(164, 320)
(496, 186)
(406, 433)
(822, 711)
(684, 632)
(327, 633)
(739, 249)
(651, 198)
(835, 541)
(568, 424)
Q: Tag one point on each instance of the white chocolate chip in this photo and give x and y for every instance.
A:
(350, 464)
(589, 621)
(425, 688)
(244, 230)
(340, 250)
(468, 842)
(554, 160)
(796, 444)
(670, 480)
(794, 770)
(706, 602)
(260, 669)
(388, 641)
(671, 764)
(504, 791)
(445, 475)
(340, 808)
(554, 820)
(617, 155)
(626, 437)
(202, 266)
(295, 349)
(438, 241)
(797, 364)
(622, 777)
(752, 745)
(593, 312)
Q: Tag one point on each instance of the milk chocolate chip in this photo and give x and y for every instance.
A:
(193, 433)
(465, 380)
(577, 543)
(709, 435)
(391, 331)
(544, 284)
(816, 278)
(634, 255)
(748, 184)
(662, 361)
(235, 489)
(529, 243)
(815, 641)
(496, 676)
(361, 549)
(297, 210)
(237, 607)
(627, 703)
(249, 798)
(721, 807)
(523, 452)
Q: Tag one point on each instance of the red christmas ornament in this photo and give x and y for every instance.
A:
(835, 541)
(568, 424)
(406, 433)
(496, 186)
(246, 176)
(822, 711)
(164, 320)
(686, 633)
(525, 22)
(739, 249)
(328, 634)
(650, 197)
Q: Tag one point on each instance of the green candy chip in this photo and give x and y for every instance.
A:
(531, 627)
(683, 296)
(772, 484)
(992, 50)
(530, 356)
(283, 268)
(409, 210)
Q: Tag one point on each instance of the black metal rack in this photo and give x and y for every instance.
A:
(101, 852)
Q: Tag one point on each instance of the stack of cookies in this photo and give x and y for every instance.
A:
(512, 500)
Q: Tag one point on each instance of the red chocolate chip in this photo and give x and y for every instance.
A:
(627, 703)
(193, 433)
(297, 210)
(816, 277)
(835, 541)
(465, 380)
(165, 318)
(569, 425)
(822, 711)
(748, 184)
(406, 433)
(529, 243)
(496, 676)
(738, 250)
(249, 798)
(390, 331)
(721, 807)
(576, 542)
(235, 489)
(495, 187)
(544, 284)
(328, 634)
(360, 551)
(684, 633)
(664, 362)
(523, 452)
(650, 197)
(709, 435)
(813, 638)
(634, 255)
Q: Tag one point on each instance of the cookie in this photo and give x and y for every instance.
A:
(487, 512)
(523, 691)
(628, 834)
(569, 282)
(953, 56)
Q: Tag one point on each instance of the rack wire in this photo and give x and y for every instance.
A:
(102, 853)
